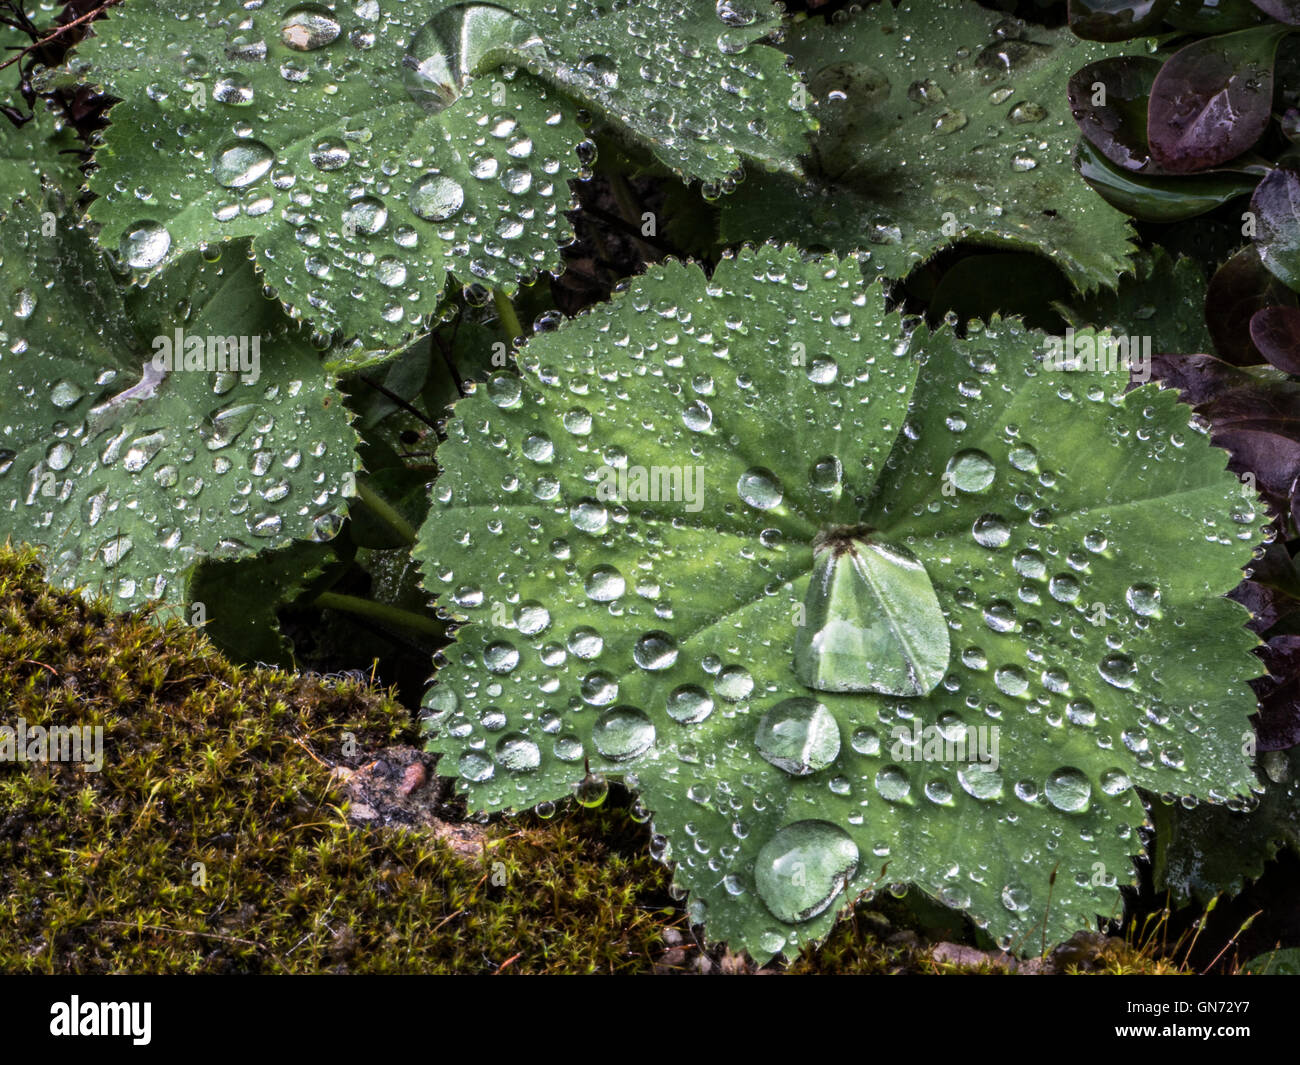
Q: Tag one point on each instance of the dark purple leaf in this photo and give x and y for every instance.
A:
(1273, 459)
(1276, 207)
(1277, 724)
(1213, 16)
(1287, 11)
(1212, 100)
(1115, 20)
(1239, 289)
(1108, 99)
(1276, 333)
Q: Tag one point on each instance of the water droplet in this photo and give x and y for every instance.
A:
(798, 735)
(517, 753)
(1118, 670)
(892, 783)
(622, 732)
(981, 781)
(330, 154)
(65, 394)
(234, 90)
(531, 618)
(803, 868)
(308, 27)
(1068, 790)
(605, 584)
(950, 122)
(241, 162)
(448, 50)
(144, 245)
(599, 71)
(971, 471)
(760, 488)
(655, 651)
(1143, 599)
(475, 766)
(436, 197)
(1025, 112)
(733, 684)
(689, 704)
(826, 474)
(990, 530)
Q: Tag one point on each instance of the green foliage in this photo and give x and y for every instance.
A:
(741, 533)
(127, 473)
(370, 149)
(940, 122)
(652, 636)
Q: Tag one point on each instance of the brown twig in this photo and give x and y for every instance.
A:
(59, 32)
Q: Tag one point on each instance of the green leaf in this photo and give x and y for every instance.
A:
(1162, 298)
(1274, 963)
(871, 622)
(37, 153)
(370, 149)
(236, 601)
(1159, 199)
(940, 122)
(629, 529)
(1203, 851)
(128, 473)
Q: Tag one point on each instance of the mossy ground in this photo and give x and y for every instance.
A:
(215, 838)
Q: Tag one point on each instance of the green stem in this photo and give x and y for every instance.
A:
(506, 312)
(382, 613)
(386, 513)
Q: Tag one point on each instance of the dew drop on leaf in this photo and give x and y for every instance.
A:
(803, 868)
(799, 735)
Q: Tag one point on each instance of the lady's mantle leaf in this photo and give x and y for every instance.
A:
(129, 474)
(940, 121)
(630, 529)
(370, 149)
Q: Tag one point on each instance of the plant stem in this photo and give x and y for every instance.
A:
(386, 513)
(506, 312)
(382, 613)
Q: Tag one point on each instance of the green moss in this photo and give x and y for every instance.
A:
(207, 763)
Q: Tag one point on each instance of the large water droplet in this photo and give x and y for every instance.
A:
(436, 197)
(803, 868)
(970, 471)
(144, 245)
(308, 27)
(622, 732)
(455, 45)
(241, 163)
(689, 704)
(760, 488)
(1067, 789)
(799, 735)
(871, 620)
(655, 651)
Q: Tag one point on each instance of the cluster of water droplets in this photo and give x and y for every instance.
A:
(130, 473)
(358, 220)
